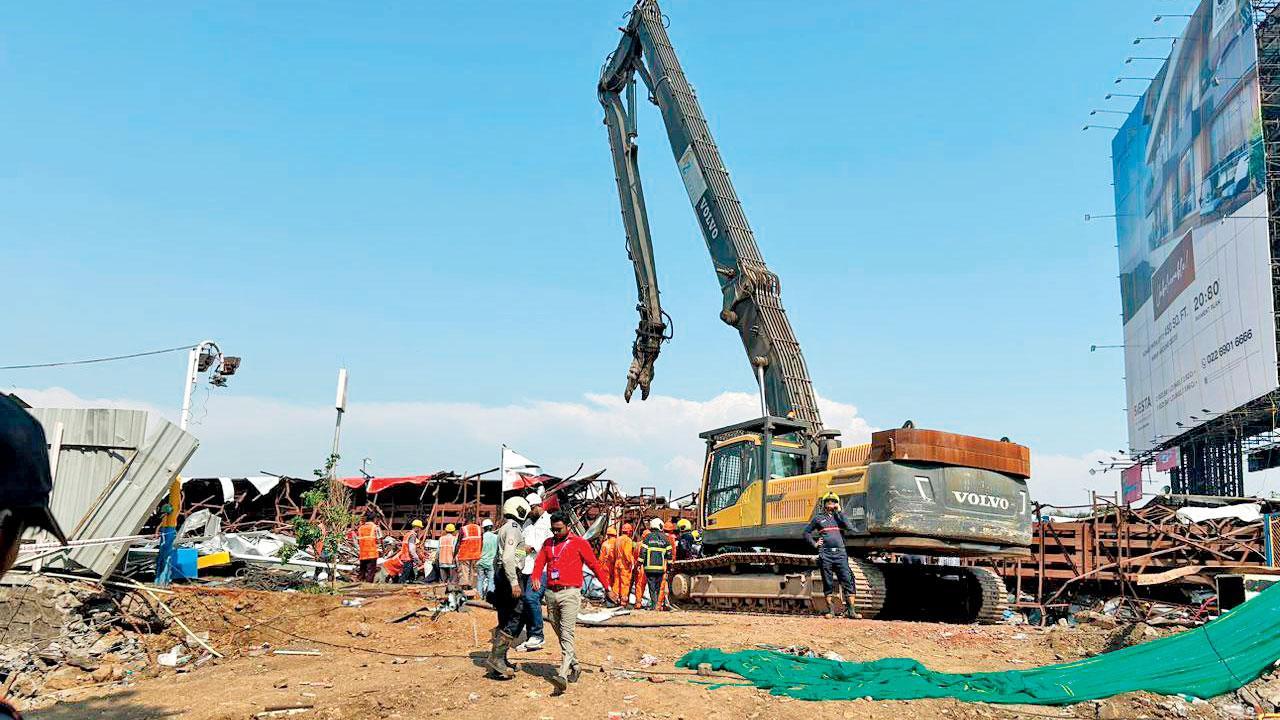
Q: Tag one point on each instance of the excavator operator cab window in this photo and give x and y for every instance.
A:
(729, 473)
(785, 464)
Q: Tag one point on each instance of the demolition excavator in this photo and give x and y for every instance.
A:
(909, 494)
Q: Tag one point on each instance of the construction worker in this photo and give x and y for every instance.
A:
(366, 538)
(166, 559)
(673, 537)
(687, 545)
(409, 552)
(449, 555)
(624, 565)
(488, 553)
(469, 546)
(655, 551)
(562, 558)
(392, 568)
(608, 550)
(537, 530)
(507, 595)
(825, 532)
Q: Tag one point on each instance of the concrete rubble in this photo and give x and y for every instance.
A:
(66, 634)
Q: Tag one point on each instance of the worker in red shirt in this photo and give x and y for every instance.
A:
(563, 557)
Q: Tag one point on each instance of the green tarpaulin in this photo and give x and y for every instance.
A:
(1215, 658)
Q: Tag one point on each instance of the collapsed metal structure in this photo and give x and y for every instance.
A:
(270, 502)
(1135, 554)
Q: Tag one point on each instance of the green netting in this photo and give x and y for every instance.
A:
(1215, 658)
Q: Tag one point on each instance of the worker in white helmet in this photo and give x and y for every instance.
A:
(507, 592)
(488, 556)
(537, 530)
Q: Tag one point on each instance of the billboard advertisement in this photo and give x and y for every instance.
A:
(1191, 207)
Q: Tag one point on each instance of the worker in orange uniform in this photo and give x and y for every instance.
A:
(448, 559)
(367, 537)
(407, 555)
(608, 548)
(469, 545)
(624, 564)
(392, 568)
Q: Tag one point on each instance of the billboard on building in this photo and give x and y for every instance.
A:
(1191, 207)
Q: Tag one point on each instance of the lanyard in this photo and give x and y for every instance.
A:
(557, 549)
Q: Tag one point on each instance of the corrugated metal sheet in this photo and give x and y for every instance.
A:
(125, 505)
(96, 446)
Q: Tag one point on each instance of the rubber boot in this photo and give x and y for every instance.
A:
(831, 605)
(497, 660)
(850, 610)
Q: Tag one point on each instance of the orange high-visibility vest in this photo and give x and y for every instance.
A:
(393, 566)
(469, 544)
(448, 542)
(367, 541)
(406, 553)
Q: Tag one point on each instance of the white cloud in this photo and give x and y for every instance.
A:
(1065, 479)
(650, 443)
(653, 443)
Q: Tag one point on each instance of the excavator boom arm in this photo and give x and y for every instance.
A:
(751, 301)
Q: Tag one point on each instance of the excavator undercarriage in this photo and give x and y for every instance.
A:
(787, 583)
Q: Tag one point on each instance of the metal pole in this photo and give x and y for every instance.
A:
(188, 384)
(337, 434)
(764, 408)
(339, 404)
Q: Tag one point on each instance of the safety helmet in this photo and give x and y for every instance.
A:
(516, 508)
(450, 528)
(628, 528)
(416, 523)
(684, 524)
(487, 523)
(697, 534)
(655, 524)
(668, 526)
(612, 531)
(830, 496)
(533, 498)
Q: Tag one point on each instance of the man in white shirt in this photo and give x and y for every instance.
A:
(537, 530)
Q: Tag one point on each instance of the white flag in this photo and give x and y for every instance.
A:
(516, 469)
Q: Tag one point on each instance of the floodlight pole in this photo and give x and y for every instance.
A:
(189, 382)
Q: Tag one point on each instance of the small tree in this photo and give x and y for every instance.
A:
(331, 516)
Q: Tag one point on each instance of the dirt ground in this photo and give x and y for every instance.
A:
(369, 667)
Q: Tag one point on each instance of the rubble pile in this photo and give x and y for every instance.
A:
(66, 634)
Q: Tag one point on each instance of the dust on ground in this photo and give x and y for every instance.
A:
(370, 667)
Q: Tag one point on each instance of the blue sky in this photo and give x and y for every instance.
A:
(424, 195)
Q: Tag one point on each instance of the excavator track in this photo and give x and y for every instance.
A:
(788, 583)
(995, 598)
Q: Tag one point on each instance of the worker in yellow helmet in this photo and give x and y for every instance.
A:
(687, 546)
(825, 532)
(448, 555)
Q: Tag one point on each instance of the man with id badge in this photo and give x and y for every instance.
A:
(563, 557)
